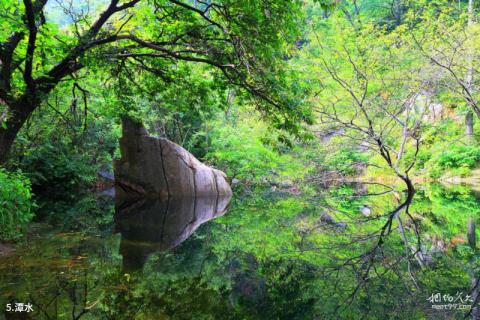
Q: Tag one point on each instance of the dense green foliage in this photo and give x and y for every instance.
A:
(16, 205)
(460, 157)
(246, 151)
(349, 131)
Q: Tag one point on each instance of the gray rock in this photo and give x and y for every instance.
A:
(106, 175)
(156, 167)
(365, 210)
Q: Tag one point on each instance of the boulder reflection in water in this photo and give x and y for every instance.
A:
(153, 225)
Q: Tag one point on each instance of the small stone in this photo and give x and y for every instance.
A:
(365, 210)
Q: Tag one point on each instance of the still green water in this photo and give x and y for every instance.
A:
(272, 255)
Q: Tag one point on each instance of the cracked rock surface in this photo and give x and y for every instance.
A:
(156, 167)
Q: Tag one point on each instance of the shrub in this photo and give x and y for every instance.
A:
(242, 151)
(459, 158)
(57, 169)
(15, 204)
(345, 161)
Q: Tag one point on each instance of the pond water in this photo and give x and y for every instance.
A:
(272, 255)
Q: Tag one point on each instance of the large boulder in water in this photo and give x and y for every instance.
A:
(156, 167)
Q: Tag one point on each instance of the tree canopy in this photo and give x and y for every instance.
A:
(246, 42)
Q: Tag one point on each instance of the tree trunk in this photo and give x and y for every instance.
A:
(472, 242)
(469, 75)
(20, 111)
(469, 125)
(397, 11)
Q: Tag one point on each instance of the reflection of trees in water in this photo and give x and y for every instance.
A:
(77, 291)
(328, 256)
(54, 276)
(77, 287)
(277, 257)
(377, 248)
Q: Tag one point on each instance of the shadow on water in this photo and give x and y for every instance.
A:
(153, 225)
